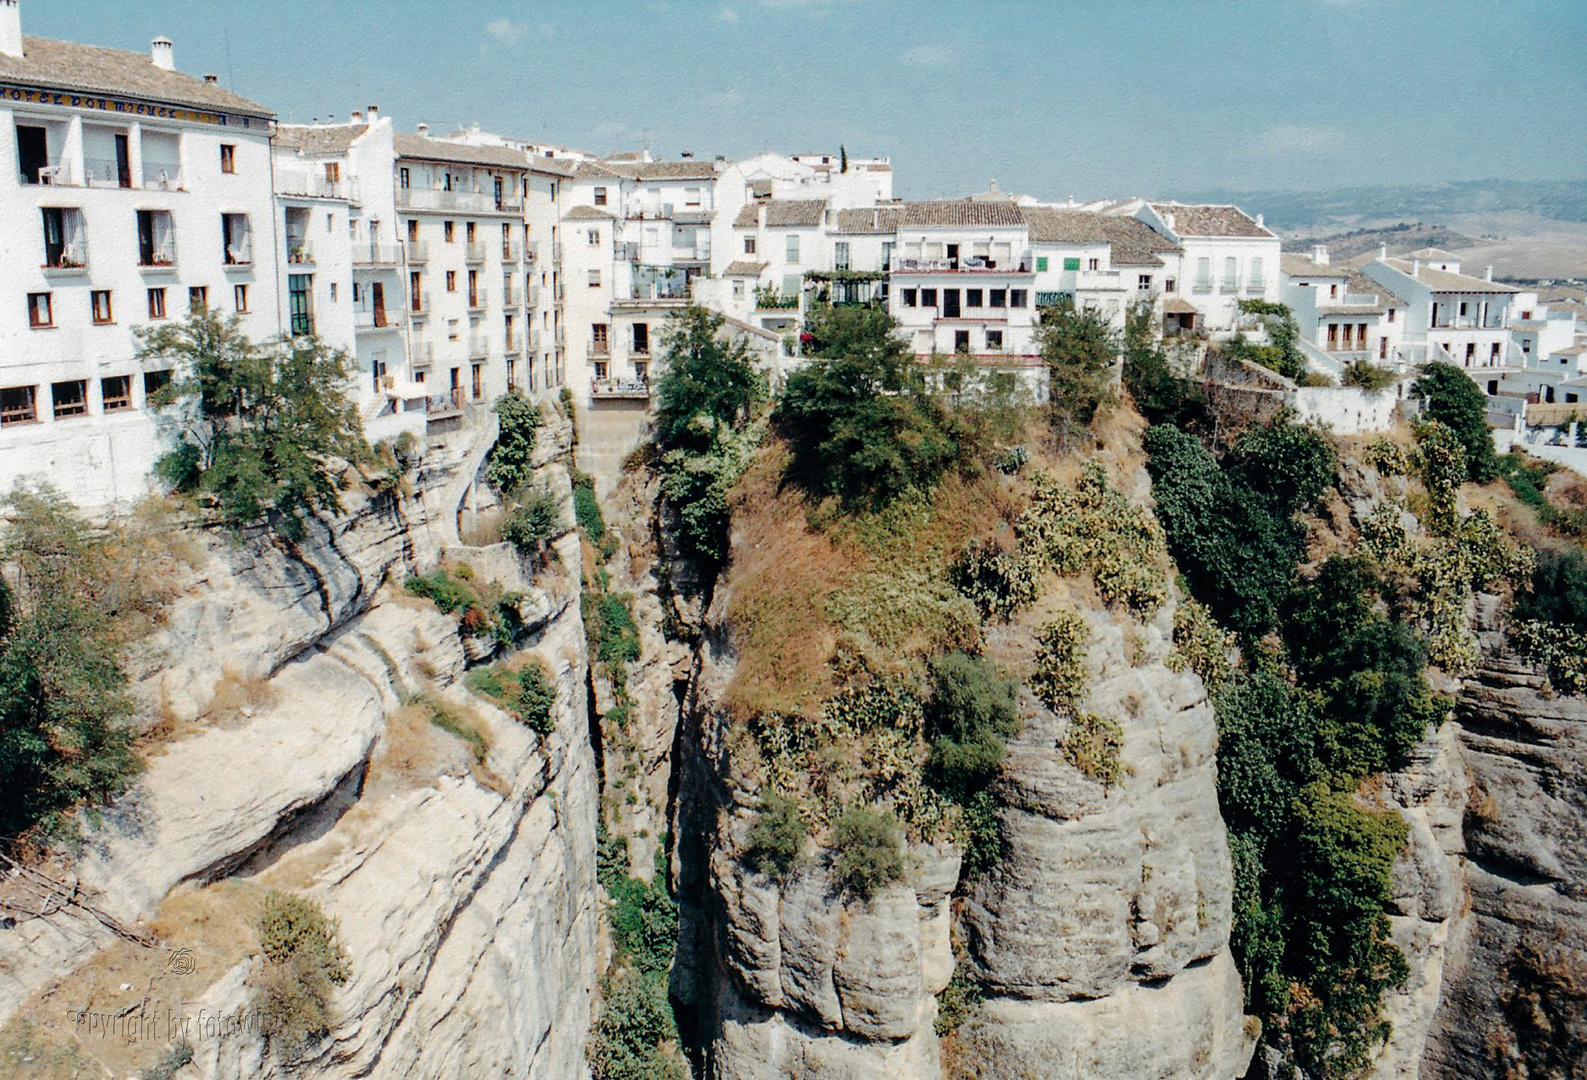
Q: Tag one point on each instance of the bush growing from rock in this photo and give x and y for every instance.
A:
(533, 519)
(304, 962)
(777, 837)
(869, 849)
(511, 462)
(537, 697)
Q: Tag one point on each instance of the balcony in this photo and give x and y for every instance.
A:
(106, 173)
(468, 202)
(513, 346)
(476, 304)
(599, 348)
(627, 251)
(304, 181)
(445, 406)
(423, 353)
(969, 264)
(509, 295)
(300, 253)
(620, 389)
(372, 254)
(771, 301)
(419, 305)
(418, 253)
(370, 320)
(509, 251)
(66, 259)
(474, 252)
(532, 296)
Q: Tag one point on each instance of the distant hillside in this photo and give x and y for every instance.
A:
(1338, 208)
(1406, 236)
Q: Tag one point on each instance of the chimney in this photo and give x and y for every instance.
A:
(10, 27)
(1488, 276)
(1416, 268)
(163, 52)
(358, 117)
(212, 80)
(1383, 252)
(422, 129)
(1319, 254)
(374, 114)
(1259, 224)
(991, 186)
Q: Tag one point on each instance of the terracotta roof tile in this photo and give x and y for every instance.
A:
(66, 65)
(794, 213)
(588, 213)
(1444, 281)
(319, 138)
(1190, 219)
(1051, 225)
(869, 220)
(961, 213)
(1134, 243)
(1300, 266)
(742, 268)
(427, 149)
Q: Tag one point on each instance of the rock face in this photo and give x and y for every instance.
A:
(1514, 998)
(1102, 936)
(465, 890)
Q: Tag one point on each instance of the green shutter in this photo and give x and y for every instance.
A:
(1041, 263)
(1071, 264)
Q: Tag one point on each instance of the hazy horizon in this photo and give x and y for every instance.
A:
(1052, 99)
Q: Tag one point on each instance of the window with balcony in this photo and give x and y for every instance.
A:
(416, 291)
(468, 232)
(600, 341)
(156, 238)
(473, 288)
(600, 196)
(69, 398)
(115, 393)
(41, 310)
(642, 338)
(198, 299)
(236, 238)
(792, 251)
(477, 379)
(840, 256)
(157, 303)
(749, 245)
(99, 303)
(300, 312)
(413, 231)
(33, 154)
(451, 281)
(162, 160)
(18, 405)
(65, 244)
(228, 158)
(239, 298)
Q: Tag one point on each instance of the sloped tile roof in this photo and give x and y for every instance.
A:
(659, 170)
(869, 220)
(319, 138)
(1360, 283)
(748, 216)
(1192, 219)
(1444, 281)
(1134, 243)
(1051, 225)
(741, 268)
(1300, 266)
(588, 213)
(66, 65)
(427, 149)
(961, 213)
(794, 213)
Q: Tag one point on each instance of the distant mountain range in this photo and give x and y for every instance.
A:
(1554, 200)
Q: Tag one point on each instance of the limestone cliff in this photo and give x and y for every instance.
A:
(288, 755)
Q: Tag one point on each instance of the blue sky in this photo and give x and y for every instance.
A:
(1052, 97)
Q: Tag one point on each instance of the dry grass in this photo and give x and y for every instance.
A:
(484, 530)
(237, 697)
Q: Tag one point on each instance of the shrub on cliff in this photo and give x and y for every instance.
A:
(777, 837)
(869, 849)
(265, 435)
(1079, 348)
(534, 517)
(1451, 398)
(971, 712)
(304, 963)
(511, 462)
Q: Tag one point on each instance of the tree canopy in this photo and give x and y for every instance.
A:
(708, 384)
(1079, 348)
(1455, 401)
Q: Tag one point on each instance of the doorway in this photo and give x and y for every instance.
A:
(950, 303)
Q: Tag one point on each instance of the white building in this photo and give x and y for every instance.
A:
(1227, 256)
(1342, 312)
(1449, 316)
(139, 194)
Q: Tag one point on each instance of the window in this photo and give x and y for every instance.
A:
(115, 393)
(593, 237)
(691, 196)
(228, 158)
(595, 279)
(156, 238)
(600, 196)
(416, 291)
(157, 303)
(1231, 274)
(468, 232)
(907, 297)
(69, 398)
(599, 340)
(738, 288)
(448, 231)
(1256, 282)
(1143, 282)
(239, 298)
(198, 299)
(41, 311)
(994, 341)
(33, 154)
(236, 239)
(299, 313)
(641, 337)
(749, 245)
(997, 298)
(973, 297)
(333, 292)
(1462, 309)
(99, 302)
(1016, 298)
(793, 249)
(64, 242)
(451, 281)
(840, 258)
(404, 178)
(1333, 335)
(1041, 264)
(18, 405)
(413, 232)
(473, 288)
(1093, 264)
(1169, 285)
(1071, 264)
(477, 380)
(928, 298)
(961, 341)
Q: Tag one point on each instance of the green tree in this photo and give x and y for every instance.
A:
(1162, 392)
(63, 704)
(1451, 398)
(777, 838)
(266, 433)
(1282, 353)
(709, 384)
(859, 418)
(1558, 592)
(511, 462)
(1079, 349)
(971, 712)
(870, 850)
